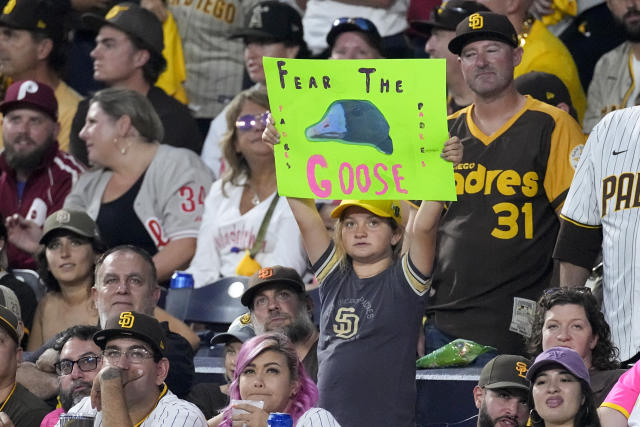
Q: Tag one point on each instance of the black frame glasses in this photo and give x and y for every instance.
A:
(86, 364)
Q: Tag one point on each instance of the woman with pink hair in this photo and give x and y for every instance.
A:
(268, 370)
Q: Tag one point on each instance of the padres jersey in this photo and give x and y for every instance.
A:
(495, 243)
(214, 62)
(367, 344)
(606, 193)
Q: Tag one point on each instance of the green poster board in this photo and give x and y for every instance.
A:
(360, 129)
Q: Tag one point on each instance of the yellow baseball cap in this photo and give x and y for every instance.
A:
(384, 208)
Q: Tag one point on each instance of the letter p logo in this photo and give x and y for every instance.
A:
(476, 21)
(27, 87)
(126, 320)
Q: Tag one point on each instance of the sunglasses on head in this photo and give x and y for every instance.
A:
(362, 23)
(249, 121)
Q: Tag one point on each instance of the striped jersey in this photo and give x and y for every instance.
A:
(606, 193)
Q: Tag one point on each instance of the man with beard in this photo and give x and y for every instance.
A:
(35, 176)
(501, 393)
(79, 360)
(518, 162)
(277, 301)
(614, 84)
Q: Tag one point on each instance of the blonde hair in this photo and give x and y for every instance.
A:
(238, 166)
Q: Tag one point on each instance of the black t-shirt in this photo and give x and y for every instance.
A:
(209, 398)
(25, 409)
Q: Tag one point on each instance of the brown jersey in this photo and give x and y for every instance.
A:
(495, 243)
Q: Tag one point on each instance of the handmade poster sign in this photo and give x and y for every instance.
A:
(360, 129)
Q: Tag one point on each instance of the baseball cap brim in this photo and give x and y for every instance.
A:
(345, 205)
(506, 384)
(45, 237)
(537, 367)
(345, 28)
(252, 32)
(7, 320)
(12, 105)
(247, 296)
(457, 43)
(425, 27)
(226, 337)
(101, 338)
(92, 21)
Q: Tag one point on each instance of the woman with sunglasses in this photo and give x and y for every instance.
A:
(571, 317)
(243, 200)
(140, 193)
(560, 393)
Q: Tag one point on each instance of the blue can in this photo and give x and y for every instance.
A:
(279, 419)
(181, 279)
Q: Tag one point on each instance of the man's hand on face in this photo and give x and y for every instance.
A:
(111, 376)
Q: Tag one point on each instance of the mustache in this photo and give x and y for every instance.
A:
(507, 417)
(631, 12)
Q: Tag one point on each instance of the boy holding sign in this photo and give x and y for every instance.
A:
(372, 301)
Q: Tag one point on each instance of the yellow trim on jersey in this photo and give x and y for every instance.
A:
(616, 407)
(330, 264)
(625, 99)
(488, 139)
(419, 286)
(579, 224)
(566, 139)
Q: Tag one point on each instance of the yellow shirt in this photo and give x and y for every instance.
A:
(68, 100)
(171, 79)
(545, 52)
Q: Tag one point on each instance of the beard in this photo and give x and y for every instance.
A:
(25, 161)
(485, 420)
(300, 328)
(69, 398)
(631, 31)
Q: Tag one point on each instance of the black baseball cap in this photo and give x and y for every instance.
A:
(240, 329)
(32, 15)
(133, 20)
(505, 371)
(360, 25)
(272, 20)
(65, 219)
(448, 15)
(10, 315)
(483, 26)
(131, 324)
(545, 87)
(269, 276)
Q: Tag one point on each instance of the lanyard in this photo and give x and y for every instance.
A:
(11, 394)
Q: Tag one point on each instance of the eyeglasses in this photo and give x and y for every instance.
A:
(86, 364)
(136, 355)
(249, 121)
(362, 23)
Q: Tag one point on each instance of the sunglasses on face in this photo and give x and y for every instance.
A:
(362, 23)
(249, 121)
(86, 364)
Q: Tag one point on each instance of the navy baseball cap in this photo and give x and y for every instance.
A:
(545, 87)
(272, 20)
(30, 94)
(483, 26)
(563, 356)
(448, 15)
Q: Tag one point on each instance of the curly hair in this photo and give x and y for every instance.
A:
(605, 355)
(238, 166)
(307, 394)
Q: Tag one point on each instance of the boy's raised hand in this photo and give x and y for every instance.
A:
(452, 150)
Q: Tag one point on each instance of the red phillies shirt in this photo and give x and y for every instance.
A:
(44, 193)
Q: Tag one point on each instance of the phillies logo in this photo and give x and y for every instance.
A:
(126, 320)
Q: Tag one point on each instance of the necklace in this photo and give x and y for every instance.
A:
(526, 27)
(8, 397)
(255, 200)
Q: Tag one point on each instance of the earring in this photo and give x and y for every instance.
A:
(123, 150)
(532, 417)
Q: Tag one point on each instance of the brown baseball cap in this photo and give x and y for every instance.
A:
(483, 26)
(133, 20)
(505, 371)
(133, 325)
(76, 221)
(33, 15)
(30, 94)
(276, 275)
(10, 312)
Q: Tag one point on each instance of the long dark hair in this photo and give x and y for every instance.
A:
(605, 355)
(587, 415)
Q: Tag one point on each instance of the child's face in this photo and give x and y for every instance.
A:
(367, 238)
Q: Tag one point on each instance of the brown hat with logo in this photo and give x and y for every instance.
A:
(483, 26)
(30, 94)
(276, 275)
(10, 313)
(76, 221)
(133, 325)
(505, 371)
(133, 20)
(33, 15)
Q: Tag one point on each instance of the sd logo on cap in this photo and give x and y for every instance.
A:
(483, 26)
